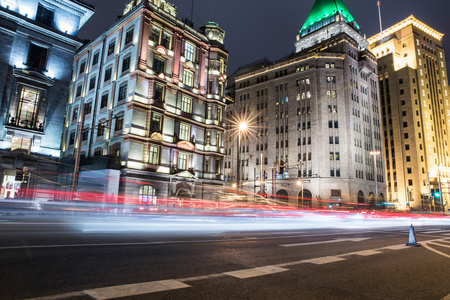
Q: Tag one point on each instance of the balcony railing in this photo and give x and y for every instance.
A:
(26, 123)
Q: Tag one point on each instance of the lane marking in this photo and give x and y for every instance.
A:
(363, 253)
(324, 260)
(434, 231)
(395, 247)
(136, 289)
(436, 251)
(326, 242)
(438, 244)
(255, 272)
(446, 297)
(61, 296)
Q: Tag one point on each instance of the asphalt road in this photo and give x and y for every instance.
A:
(213, 258)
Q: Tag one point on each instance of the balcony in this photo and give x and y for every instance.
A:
(24, 123)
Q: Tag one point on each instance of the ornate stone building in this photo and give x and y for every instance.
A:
(313, 118)
(149, 94)
(39, 40)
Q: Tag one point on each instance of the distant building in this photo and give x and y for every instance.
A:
(39, 40)
(314, 118)
(147, 102)
(414, 96)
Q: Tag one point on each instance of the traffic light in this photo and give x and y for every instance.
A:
(436, 193)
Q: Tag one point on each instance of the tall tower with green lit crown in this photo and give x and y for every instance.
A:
(318, 130)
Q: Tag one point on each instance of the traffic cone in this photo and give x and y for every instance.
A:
(412, 237)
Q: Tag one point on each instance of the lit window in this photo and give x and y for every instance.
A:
(188, 78)
(28, 108)
(185, 132)
(186, 104)
(147, 195)
(182, 161)
(119, 123)
(154, 155)
(189, 51)
(156, 123)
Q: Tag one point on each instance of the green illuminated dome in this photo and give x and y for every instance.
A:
(324, 13)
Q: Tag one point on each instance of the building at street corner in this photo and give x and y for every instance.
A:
(414, 97)
(314, 126)
(39, 41)
(145, 112)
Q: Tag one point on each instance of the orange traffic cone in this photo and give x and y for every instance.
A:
(412, 237)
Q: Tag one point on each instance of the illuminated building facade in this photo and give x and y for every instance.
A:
(415, 113)
(39, 41)
(149, 94)
(314, 118)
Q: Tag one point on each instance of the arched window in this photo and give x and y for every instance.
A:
(147, 195)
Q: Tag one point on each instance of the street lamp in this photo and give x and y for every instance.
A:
(299, 183)
(242, 127)
(375, 153)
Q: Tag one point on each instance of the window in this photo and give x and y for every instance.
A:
(111, 47)
(100, 130)
(119, 123)
(85, 134)
(188, 78)
(185, 132)
(166, 40)
(75, 114)
(158, 66)
(153, 157)
(182, 161)
(72, 138)
(189, 51)
(156, 123)
(129, 36)
(45, 15)
(186, 104)
(92, 83)
(82, 68)
(104, 101)
(88, 108)
(122, 92)
(78, 92)
(159, 92)
(37, 57)
(147, 194)
(156, 34)
(28, 108)
(95, 59)
(126, 64)
(108, 73)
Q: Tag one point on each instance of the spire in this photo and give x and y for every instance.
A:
(324, 13)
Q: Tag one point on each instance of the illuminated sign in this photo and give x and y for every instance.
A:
(186, 145)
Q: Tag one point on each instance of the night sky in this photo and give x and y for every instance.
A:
(266, 28)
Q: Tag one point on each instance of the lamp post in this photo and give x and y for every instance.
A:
(375, 153)
(242, 127)
(300, 183)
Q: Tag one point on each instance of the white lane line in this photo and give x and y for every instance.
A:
(434, 250)
(395, 247)
(255, 272)
(326, 242)
(324, 260)
(136, 289)
(438, 244)
(363, 253)
(61, 296)
(433, 231)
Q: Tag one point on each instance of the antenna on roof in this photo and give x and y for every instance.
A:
(192, 12)
(379, 15)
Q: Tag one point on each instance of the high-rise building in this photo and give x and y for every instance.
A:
(314, 130)
(415, 113)
(39, 41)
(145, 112)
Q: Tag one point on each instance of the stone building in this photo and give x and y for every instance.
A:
(314, 124)
(39, 40)
(414, 98)
(148, 94)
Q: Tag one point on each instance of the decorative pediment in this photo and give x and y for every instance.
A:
(190, 65)
(156, 136)
(33, 76)
(161, 50)
(186, 145)
(186, 174)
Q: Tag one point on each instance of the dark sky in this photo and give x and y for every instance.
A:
(266, 28)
